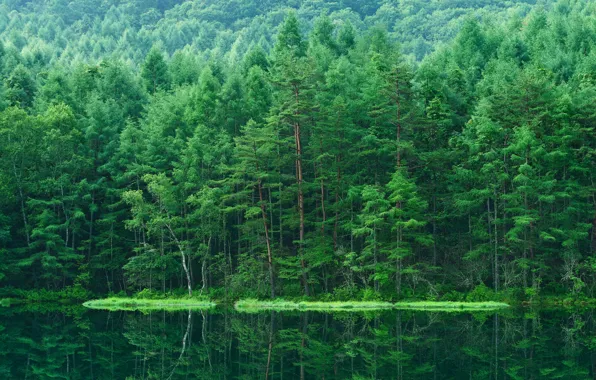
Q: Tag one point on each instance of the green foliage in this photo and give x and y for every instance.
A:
(69, 294)
(133, 304)
(154, 72)
(480, 293)
(297, 149)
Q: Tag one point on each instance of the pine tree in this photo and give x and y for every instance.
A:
(20, 87)
(407, 220)
(155, 73)
(255, 152)
(291, 73)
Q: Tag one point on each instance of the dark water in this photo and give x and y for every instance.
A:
(75, 343)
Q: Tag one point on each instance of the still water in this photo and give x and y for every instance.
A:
(76, 343)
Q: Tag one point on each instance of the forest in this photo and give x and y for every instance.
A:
(346, 150)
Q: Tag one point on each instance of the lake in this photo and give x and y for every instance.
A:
(76, 343)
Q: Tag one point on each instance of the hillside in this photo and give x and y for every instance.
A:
(87, 30)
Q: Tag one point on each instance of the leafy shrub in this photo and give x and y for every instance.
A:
(370, 294)
(344, 293)
(453, 296)
(149, 295)
(481, 293)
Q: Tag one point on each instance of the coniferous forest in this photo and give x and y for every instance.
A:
(344, 150)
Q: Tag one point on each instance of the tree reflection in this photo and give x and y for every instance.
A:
(76, 344)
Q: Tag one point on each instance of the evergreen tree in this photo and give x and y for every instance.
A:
(20, 87)
(155, 72)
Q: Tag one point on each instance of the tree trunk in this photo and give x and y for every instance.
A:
(22, 200)
(184, 265)
(398, 120)
(269, 254)
(266, 226)
(299, 180)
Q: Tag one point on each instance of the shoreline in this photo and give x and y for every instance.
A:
(246, 304)
(133, 304)
(257, 305)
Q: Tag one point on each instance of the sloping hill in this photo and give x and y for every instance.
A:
(90, 30)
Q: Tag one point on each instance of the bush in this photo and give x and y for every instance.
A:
(148, 294)
(76, 292)
(218, 293)
(344, 293)
(370, 294)
(453, 296)
(481, 293)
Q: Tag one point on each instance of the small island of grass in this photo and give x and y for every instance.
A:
(450, 306)
(132, 304)
(249, 305)
(252, 305)
(280, 304)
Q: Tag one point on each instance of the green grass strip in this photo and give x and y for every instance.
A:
(450, 306)
(131, 304)
(252, 305)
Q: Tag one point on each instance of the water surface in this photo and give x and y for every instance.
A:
(76, 343)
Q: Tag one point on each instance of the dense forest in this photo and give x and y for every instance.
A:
(340, 150)
(80, 30)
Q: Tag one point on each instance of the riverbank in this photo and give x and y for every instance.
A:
(451, 306)
(479, 299)
(251, 305)
(281, 304)
(133, 304)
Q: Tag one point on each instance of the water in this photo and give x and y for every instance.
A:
(76, 343)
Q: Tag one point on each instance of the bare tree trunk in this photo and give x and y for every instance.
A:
(266, 226)
(22, 199)
(338, 183)
(91, 221)
(183, 255)
(204, 266)
(188, 281)
(269, 254)
(299, 180)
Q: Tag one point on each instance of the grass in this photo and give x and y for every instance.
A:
(451, 306)
(251, 305)
(254, 305)
(5, 302)
(131, 304)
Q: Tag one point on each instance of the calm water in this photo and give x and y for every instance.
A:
(79, 344)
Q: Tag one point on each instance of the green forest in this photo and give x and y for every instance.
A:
(336, 150)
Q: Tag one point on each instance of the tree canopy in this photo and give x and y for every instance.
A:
(393, 149)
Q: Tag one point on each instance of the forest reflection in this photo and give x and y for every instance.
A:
(74, 343)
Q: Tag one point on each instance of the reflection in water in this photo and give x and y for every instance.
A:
(222, 344)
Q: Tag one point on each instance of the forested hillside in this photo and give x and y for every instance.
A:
(83, 30)
(201, 147)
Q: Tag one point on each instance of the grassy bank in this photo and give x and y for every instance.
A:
(131, 304)
(251, 305)
(450, 306)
